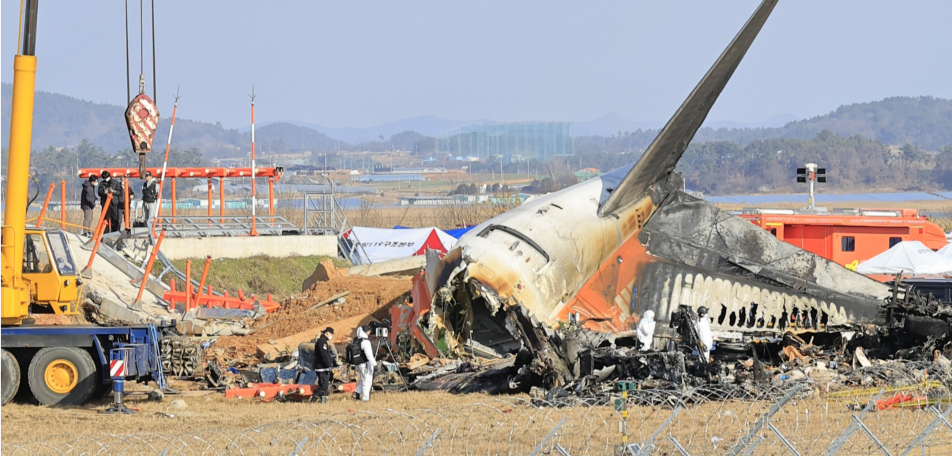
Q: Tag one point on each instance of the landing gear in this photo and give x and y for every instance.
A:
(9, 376)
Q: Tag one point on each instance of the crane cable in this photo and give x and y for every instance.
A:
(141, 46)
(20, 28)
(128, 95)
(154, 95)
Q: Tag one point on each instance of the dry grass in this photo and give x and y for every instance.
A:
(400, 423)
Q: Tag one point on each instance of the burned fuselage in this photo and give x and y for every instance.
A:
(610, 248)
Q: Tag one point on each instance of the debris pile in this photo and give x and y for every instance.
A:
(272, 340)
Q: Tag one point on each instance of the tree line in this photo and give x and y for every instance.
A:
(55, 164)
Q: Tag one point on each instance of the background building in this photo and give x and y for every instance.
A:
(528, 140)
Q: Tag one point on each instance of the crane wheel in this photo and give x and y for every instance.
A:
(9, 376)
(62, 376)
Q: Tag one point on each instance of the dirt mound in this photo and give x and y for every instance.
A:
(368, 296)
(325, 271)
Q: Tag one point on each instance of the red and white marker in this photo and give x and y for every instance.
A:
(117, 368)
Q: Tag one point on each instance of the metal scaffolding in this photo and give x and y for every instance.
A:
(324, 216)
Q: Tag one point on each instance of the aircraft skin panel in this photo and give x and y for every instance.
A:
(692, 253)
(692, 231)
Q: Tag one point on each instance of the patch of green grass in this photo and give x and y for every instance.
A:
(261, 275)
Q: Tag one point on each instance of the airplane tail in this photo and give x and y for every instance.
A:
(666, 150)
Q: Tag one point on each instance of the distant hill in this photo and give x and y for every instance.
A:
(922, 121)
(64, 121)
(61, 120)
(285, 137)
(426, 125)
(612, 123)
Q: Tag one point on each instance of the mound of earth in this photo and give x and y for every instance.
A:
(368, 296)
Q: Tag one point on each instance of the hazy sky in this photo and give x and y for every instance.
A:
(358, 64)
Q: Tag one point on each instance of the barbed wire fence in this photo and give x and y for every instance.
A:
(797, 418)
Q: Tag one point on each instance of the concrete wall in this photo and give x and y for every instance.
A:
(246, 246)
(402, 266)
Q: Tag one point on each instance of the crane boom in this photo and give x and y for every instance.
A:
(16, 292)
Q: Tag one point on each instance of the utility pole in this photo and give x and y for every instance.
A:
(254, 201)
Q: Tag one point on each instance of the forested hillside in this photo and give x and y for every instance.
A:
(899, 143)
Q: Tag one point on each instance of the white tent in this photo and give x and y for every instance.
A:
(946, 252)
(383, 244)
(909, 257)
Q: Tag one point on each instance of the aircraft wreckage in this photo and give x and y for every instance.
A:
(553, 289)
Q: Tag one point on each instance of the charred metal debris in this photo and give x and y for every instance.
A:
(489, 346)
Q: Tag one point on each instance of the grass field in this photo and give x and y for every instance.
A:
(402, 423)
(280, 277)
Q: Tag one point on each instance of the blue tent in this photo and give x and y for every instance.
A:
(457, 233)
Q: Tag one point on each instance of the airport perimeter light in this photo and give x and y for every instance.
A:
(811, 174)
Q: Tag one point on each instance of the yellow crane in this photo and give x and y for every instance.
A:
(63, 365)
(37, 265)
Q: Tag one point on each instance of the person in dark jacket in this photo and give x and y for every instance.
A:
(150, 196)
(116, 210)
(326, 361)
(119, 189)
(88, 202)
(112, 211)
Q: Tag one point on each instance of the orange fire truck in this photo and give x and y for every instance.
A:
(848, 236)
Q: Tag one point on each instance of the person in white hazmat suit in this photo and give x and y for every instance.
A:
(366, 369)
(645, 330)
(703, 327)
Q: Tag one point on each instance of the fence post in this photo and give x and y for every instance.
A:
(271, 198)
(869, 434)
(63, 204)
(148, 267)
(299, 447)
(201, 284)
(188, 284)
(744, 441)
(39, 220)
(173, 201)
(648, 446)
(753, 445)
(100, 229)
(547, 437)
(783, 439)
(428, 443)
(210, 200)
(851, 429)
(221, 198)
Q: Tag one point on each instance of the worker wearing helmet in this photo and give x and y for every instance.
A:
(705, 337)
